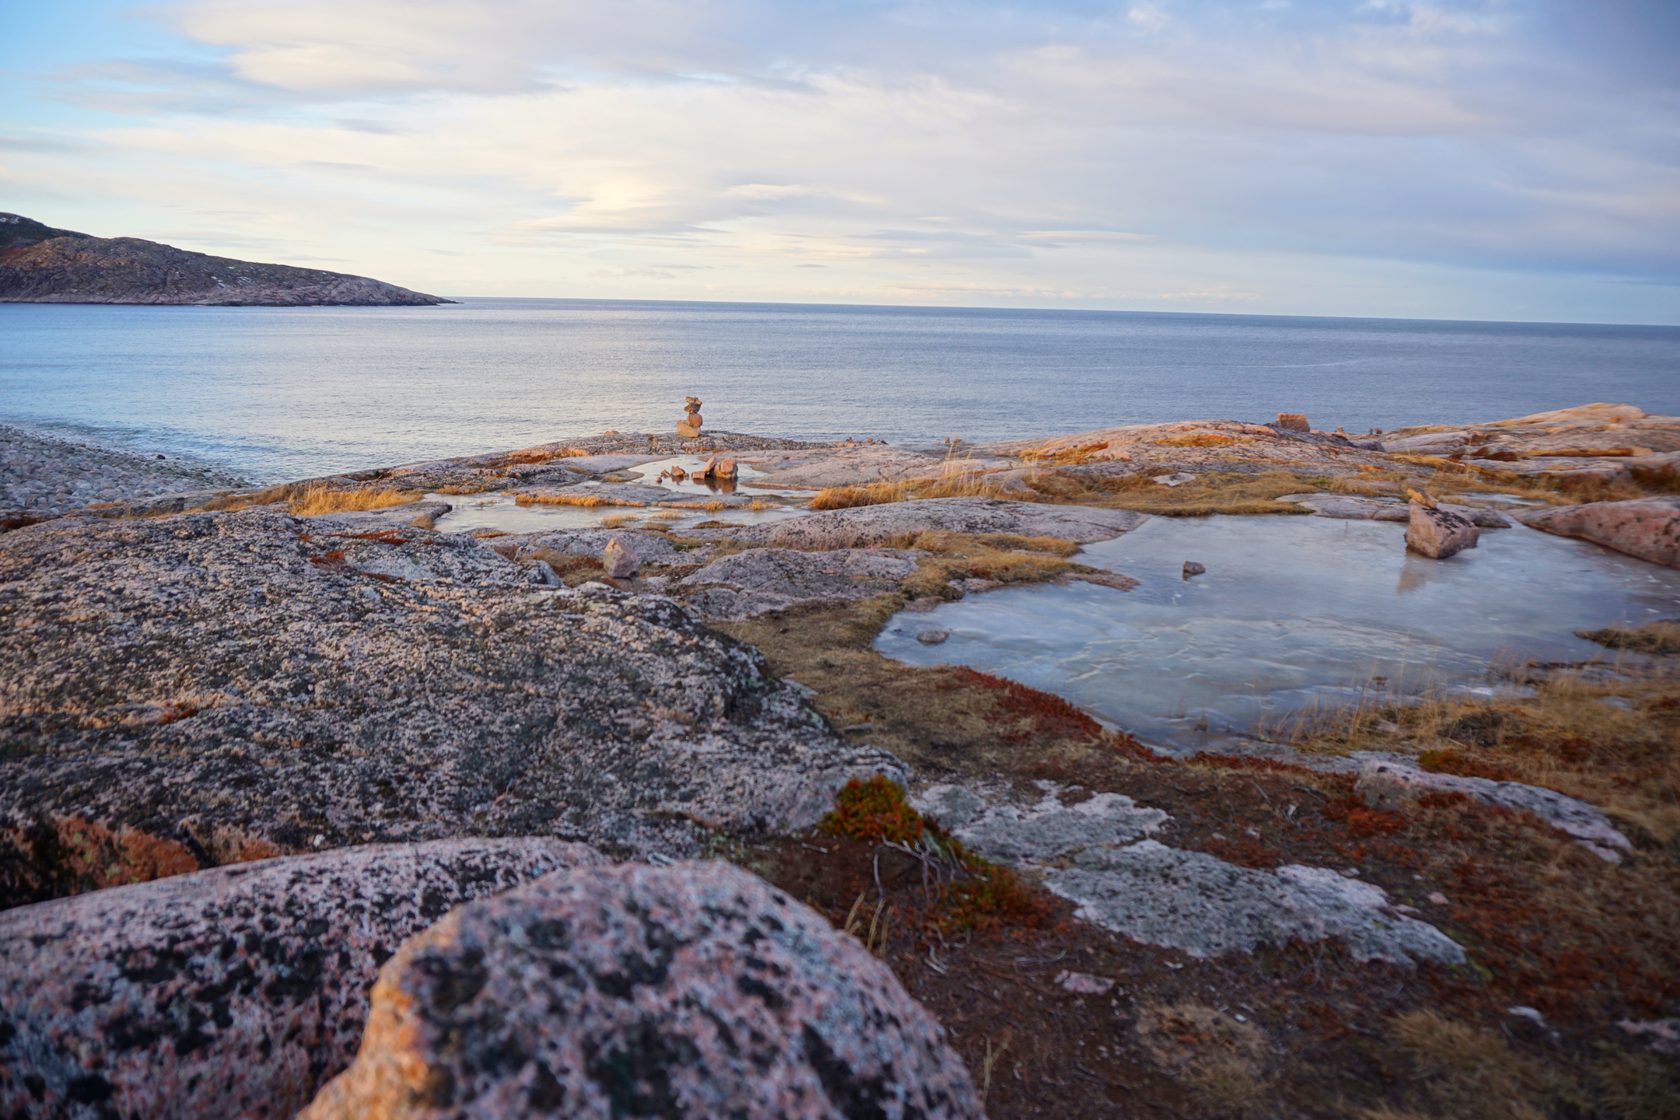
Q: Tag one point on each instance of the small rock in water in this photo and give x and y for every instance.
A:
(620, 560)
(726, 468)
(1292, 422)
(708, 469)
(678, 474)
(1192, 568)
(1438, 533)
(932, 637)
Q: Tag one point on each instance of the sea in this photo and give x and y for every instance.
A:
(283, 393)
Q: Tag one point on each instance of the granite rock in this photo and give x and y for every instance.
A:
(863, 526)
(183, 691)
(1648, 528)
(231, 992)
(761, 580)
(1438, 533)
(694, 990)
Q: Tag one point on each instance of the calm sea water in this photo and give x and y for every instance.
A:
(280, 393)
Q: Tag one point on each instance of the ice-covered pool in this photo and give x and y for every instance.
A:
(1293, 612)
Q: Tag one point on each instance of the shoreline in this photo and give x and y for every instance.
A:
(315, 694)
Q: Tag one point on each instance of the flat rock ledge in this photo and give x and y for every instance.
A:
(205, 688)
(232, 992)
(1096, 853)
(761, 580)
(1386, 782)
(633, 991)
(866, 526)
(1648, 528)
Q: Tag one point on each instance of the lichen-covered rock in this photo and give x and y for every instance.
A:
(863, 526)
(1206, 907)
(231, 992)
(760, 580)
(1386, 783)
(634, 991)
(196, 689)
(1438, 533)
(1648, 528)
(1095, 853)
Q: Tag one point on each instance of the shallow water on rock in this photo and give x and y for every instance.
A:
(1294, 613)
(499, 511)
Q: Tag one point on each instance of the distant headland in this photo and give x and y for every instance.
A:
(39, 264)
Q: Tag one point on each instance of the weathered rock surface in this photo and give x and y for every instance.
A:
(188, 690)
(231, 992)
(863, 526)
(39, 264)
(1438, 533)
(1387, 783)
(1608, 441)
(1348, 507)
(814, 468)
(1648, 528)
(761, 580)
(620, 560)
(633, 991)
(652, 547)
(1206, 907)
(1096, 854)
(45, 474)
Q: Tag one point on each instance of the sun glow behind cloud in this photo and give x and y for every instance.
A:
(1490, 160)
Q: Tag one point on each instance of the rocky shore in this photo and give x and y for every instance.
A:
(309, 805)
(43, 475)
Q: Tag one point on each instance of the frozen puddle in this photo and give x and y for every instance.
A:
(1294, 613)
(687, 499)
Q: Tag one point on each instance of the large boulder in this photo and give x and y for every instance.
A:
(231, 992)
(1438, 533)
(635, 991)
(185, 691)
(1648, 528)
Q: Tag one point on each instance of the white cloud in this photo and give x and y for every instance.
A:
(1150, 153)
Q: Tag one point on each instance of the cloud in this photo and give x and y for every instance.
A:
(1128, 152)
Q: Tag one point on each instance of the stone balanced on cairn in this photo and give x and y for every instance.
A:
(689, 426)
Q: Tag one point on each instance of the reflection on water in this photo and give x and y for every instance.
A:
(1294, 612)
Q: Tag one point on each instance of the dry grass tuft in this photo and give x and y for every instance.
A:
(618, 520)
(1222, 492)
(583, 501)
(1609, 742)
(1200, 439)
(1220, 1061)
(320, 498)
(534, 455)
(1654, 637)
(1458, 1072)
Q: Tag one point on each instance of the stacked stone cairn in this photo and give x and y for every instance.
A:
(689, 426)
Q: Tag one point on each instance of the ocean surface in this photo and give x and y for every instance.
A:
(284, 393)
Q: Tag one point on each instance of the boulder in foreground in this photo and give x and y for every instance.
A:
(695, 990)
(231, 992)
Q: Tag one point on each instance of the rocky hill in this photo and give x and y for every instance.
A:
(39, 264)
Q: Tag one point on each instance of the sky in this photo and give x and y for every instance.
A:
(1486, 159)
